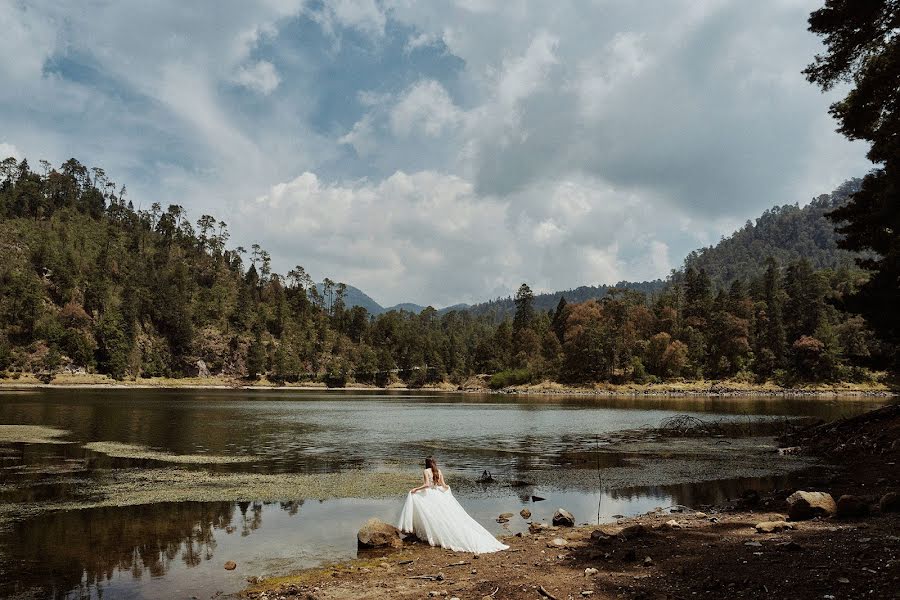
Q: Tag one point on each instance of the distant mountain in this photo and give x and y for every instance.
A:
(785, 232)
(502, 308)
(407, 306)
(357, 297)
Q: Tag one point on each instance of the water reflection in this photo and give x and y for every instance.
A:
(323, 432)
(178, 549)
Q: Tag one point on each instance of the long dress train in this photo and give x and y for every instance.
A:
(435, 516)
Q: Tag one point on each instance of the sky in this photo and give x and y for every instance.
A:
(432, 151)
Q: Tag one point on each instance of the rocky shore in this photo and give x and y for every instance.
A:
(474, 385)
(837, 535)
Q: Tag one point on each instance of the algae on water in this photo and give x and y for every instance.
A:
(31, 434)
(121, 450)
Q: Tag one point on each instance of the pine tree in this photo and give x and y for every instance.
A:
(863, 49)
(524, 308)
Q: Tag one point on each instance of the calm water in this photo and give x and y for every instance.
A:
(177, 550)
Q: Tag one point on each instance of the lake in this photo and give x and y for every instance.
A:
(558, 448)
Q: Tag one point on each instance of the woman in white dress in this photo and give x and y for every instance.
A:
(433, 515)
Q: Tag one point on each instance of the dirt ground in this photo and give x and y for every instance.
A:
(703, 552)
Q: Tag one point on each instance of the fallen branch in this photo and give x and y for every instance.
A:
(438, 577)
(546, 594)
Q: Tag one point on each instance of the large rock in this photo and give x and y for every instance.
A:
(563, 518)
(378, 534)
(851, 506)
(890, 502)
(807, 505)
(202, 369)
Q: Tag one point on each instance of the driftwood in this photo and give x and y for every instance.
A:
(546, 594)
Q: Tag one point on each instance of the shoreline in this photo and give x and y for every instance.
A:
(755, 544)
(712, 389)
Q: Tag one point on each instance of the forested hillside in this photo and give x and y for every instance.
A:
(90, 284)
(786, 233)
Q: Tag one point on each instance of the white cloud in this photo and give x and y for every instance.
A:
(430, 237)
(7, 150)
(426, 108)
(578, 145)
(261, 77)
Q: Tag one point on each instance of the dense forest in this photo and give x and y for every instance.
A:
(89, 283)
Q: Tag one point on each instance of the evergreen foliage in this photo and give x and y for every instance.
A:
(88, 282)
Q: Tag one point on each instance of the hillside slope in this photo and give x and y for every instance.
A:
(786, 233)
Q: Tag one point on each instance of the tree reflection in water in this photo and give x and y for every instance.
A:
(73, 553)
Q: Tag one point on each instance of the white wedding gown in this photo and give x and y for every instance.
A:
(433, 515)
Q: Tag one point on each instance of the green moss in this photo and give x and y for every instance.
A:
(120, 450)
(31, 434)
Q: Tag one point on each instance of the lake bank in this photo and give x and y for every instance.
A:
(145, 493)
(471, 386)
(721, 550)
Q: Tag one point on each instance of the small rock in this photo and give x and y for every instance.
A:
(890, 502)
(673, 524)
(700, 515)
(590, 571)
(843, 580)
(648, 562)
(536, 527)
(598, 536)
(474, 571)
(557, 543)
(526, 514)
(753, 544)
(849, 506)
(772, 526)
(790, 546)
(587, 593)
(563, 518)
(806, 505)
(230, 565)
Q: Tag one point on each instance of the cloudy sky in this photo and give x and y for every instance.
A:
(435, 152)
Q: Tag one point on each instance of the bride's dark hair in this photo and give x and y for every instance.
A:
(431, 463)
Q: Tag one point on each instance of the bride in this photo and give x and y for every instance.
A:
(433, 515)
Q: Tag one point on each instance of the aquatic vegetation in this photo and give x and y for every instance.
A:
(120, 450)
(31, 434)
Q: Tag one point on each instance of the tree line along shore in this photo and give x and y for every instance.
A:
(93, 286)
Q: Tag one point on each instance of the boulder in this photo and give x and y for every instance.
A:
(632, 531)
(526, 514)
(851, 506)
(807, 505)
(563, 518)
(202, 369)
(378, 534)
(890, 502)
(773, 526)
